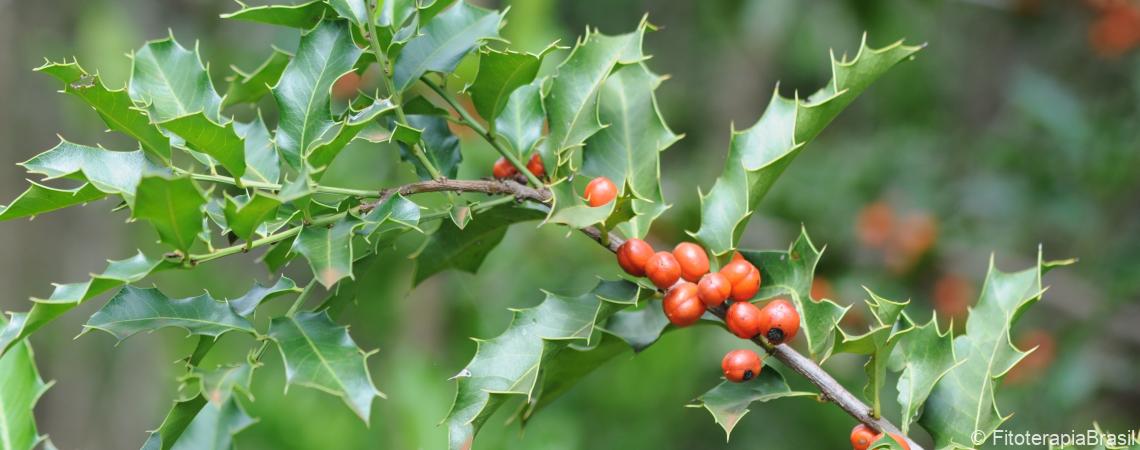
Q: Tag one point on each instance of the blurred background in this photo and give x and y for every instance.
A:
(1019, 125)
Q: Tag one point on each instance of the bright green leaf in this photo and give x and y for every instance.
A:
(180, 416)
(522, 118)
(890, 327)
(244, 214)
(258, 294)
(500, 73)
(303, 16)
(173, 206)
(134, 310)
(353, 10)
(261, 161)
(214, 427)
(220, 142)
(728, 402)
(336, 138)
(109, 171)
(328, 249)
(39, 199)
(250, 87)
(927, 356)
(172, 82)
(20, 389)
(443, 41)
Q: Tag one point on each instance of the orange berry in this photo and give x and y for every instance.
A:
(693, 259)
(503, 169)
(862, 436)
(779, 321)
(682, 306)
(743, 320)
(600, 191)
(663, 270)
(747, 287)
(713, 289)
(632, 256)
(735, 271)
(740, 365)
(535, 166)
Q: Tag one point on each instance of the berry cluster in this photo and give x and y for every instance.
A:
(503, 169)
(862, 436)
(599, 191)
(691, 289)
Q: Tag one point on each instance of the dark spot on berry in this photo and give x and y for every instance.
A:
(747, 375)
(775, 335)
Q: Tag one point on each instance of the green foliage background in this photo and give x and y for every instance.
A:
(1009, 132)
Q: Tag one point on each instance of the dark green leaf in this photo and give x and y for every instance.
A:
(134, 310)
(250, 87)
(320, 354)
(522, 118)
(304, 91)
(173, 206)
(336, 138)
(244, 215)
(728, 402)
(758, 155)
(443, 41)
(172, 82)
(39, 199)
(639, 328)
(927, 356)
(20, 389)
(218, 141)
(500, 73)
(449, 247)
(304, 16)
(328, 249)
(114, 106)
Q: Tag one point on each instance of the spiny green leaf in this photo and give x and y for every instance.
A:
(39, 199)
(134, 310)
(758, 155)
(336, 138)
(927, 356)
(320, 354)
(353, 10)
(393, 217)
(68, 296)
(640, 327)
(522, 118)
(244, 214)
(261, 161)
(885, 442)
(114, 106)
(218, 141)
(789, 273)
(173, 206)
(176, 421)
(109, 171)
(440, 146)
(563, 371)
(510, 364)
(219, 383)
(449, 247)
(172, 82)
(250, 87)
(962, 410)
(569, 208)
(443, 41)
(500, 73)
(890, 326)
(304, 91)
(258, 294)
(214, 427)
(304, 16)
(328, 249)
(571, 104)
(20, 389)
(728, 402)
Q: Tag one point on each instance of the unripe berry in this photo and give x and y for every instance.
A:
(503, 169)
(535, 166)
(713, 289)
(600, 191)
(693, 259)
(743, 320)
(663, 270)
(632, 256)
(779, 321)
(862, 436)
(740, 365)
(682, 306)
(747, 287)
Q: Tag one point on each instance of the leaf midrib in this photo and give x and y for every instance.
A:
(421, 67)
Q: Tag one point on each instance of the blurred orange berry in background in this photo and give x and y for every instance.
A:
(1035, 363)
(875, 224)
(1117, 30)
(821, 289)
(346, 87)
(953, 295)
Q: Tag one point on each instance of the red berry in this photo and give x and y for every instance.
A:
(600, 191)
(736, 256)
(779, 321)
(747, 287)
(713, 289)
(743, 320)
(901, 440)
(740, 365)
(862, 436)
(693, 259)
(682, 306)
(663, 270)
(535, 166)
(632, 256)
(503, 169)
(735, 271)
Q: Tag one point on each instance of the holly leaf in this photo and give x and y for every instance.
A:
(758, 155)
(217, 385)
(465, 249)
(133, 310)
(639, 328)
(571, 365)
(510, 365)
(789, 273)
(330, 145)
(245, 214)
(500, 73)
(304, 91)
(69, 295)
(729, 402)
(114, 106)
(180, 416)
(891, 326)
(392, 218)
(571, 104)
(250, 87)
(571, 209)
(328, 249)
(304, 16)
(21, 387)
(320, 354)
(521, 120)
(172, 82)
(258, 294)
(353, 10)
(927, 356)
(443, 41)
(962, 409)
(261, 161)
(220, 142)
(214, 427)
(174, 207)
(112, 172)
(440, 146)
(39, 199)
